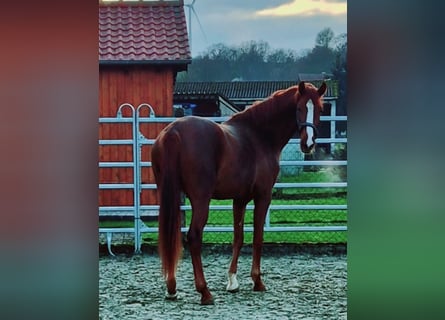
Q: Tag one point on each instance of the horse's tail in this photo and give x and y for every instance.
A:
(170, 243)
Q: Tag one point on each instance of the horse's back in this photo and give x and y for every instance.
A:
(197, 135)
(194, 132)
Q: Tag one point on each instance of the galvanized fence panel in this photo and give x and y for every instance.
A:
(138, 211)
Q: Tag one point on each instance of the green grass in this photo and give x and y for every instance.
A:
(116, 224)
(277, 217)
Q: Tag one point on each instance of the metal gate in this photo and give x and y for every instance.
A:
(137, 209)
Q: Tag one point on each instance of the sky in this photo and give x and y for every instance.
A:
(284, 24)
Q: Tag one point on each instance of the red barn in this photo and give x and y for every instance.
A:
(142, 47)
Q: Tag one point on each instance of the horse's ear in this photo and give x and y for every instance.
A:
(322, 89)
(301, 87)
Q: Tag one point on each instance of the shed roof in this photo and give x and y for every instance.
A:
(246, 90)
(143, 33)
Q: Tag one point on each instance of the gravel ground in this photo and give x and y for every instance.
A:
(300, 285)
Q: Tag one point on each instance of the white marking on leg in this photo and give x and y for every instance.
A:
(173, 296)
(233, 284)
(310, 119)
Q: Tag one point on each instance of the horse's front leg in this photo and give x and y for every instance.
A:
(259, 216)
(239, 209)
(200, 213)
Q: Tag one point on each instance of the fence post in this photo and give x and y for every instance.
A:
(139, 139)
(136, 183)
(333, 123)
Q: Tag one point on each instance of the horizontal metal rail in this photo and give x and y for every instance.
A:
(116, 230)
(282, 163)
(267, 229)
(313, 162)
(104, 142)
(107, 209)
(214, 119)
(128, 164)
(311, 185)
(152, 186)
(116, 120)
(221, 207)
(103, 186)
(295, 141)
(115, 142)
(228, 207)
(123, 164)
(323, 140)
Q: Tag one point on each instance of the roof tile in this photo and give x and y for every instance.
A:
(143, 33)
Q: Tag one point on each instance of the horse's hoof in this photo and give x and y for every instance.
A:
(233, 285)
(171, 296)
(207, 301)
(259, 287)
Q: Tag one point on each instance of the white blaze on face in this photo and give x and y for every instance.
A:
(310, 119)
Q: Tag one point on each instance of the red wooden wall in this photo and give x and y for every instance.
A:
(135, 85)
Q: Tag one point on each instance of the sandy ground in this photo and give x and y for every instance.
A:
(300, 285)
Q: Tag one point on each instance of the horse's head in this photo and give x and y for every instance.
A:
(309, 107)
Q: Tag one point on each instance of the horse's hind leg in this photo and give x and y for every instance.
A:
(239, 209)
(259, 216)
(200, 213)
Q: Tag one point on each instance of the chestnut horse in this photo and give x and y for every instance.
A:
(239, 160)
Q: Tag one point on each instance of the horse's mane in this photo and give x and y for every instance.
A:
(261, 111)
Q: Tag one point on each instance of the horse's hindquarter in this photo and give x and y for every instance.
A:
(197, 156)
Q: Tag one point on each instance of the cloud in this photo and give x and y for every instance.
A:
(305, 8)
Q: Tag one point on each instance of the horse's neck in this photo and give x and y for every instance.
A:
(279, 133)
(274, 127)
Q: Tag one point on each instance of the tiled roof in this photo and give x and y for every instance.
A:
(245, 90)
(144, 33)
